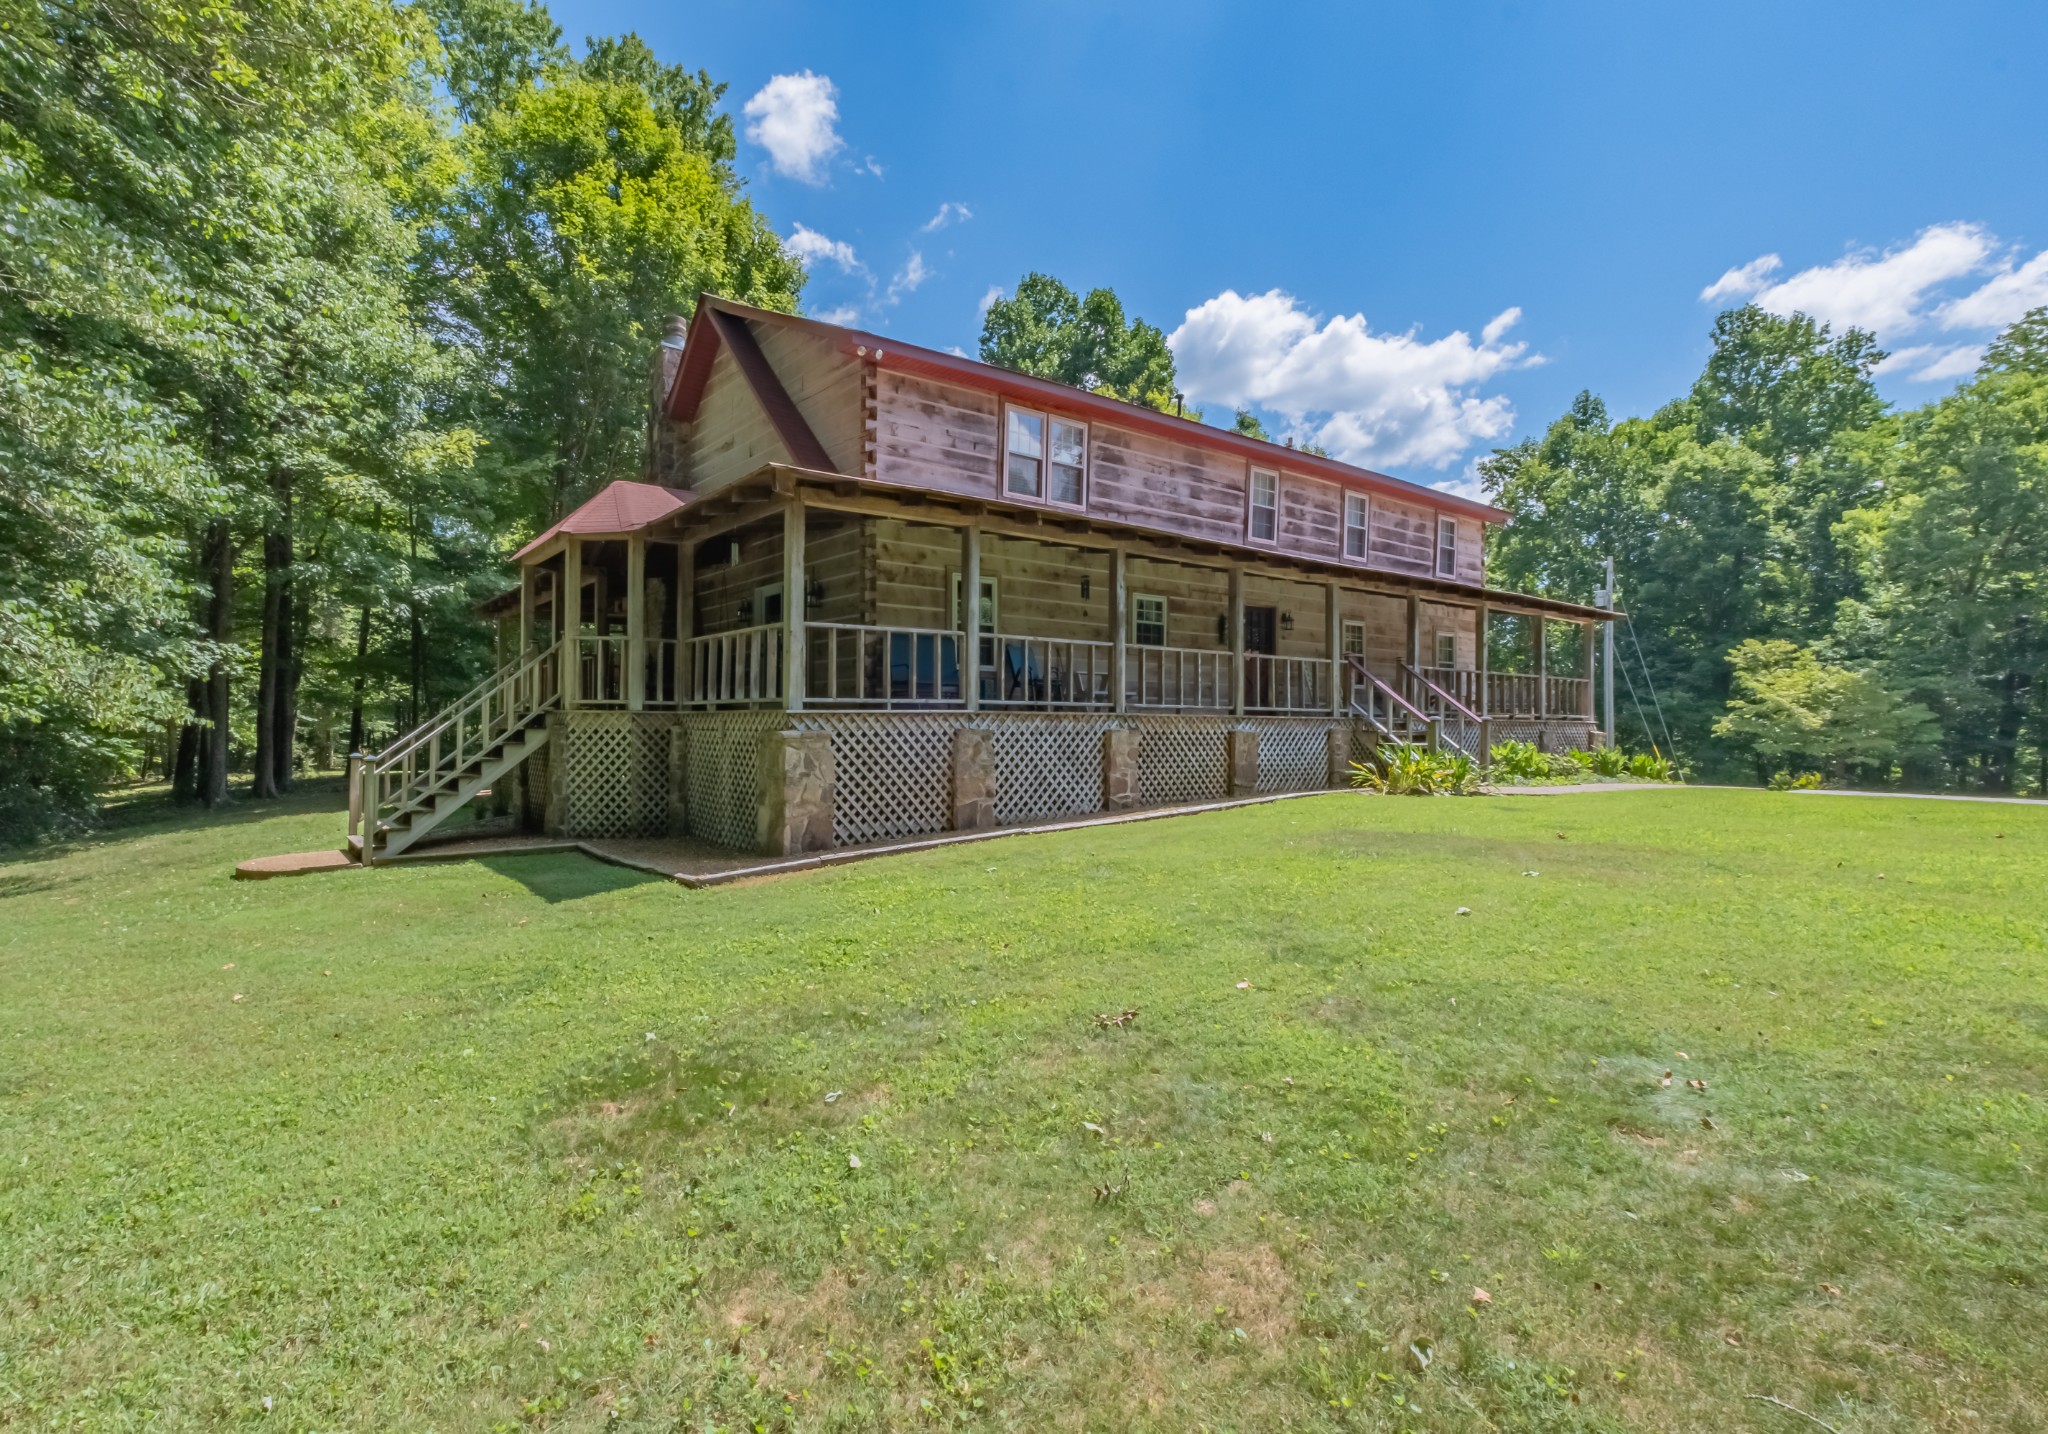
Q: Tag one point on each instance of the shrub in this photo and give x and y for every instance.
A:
(1403, 769)
(1803, 782)
(1648, 767)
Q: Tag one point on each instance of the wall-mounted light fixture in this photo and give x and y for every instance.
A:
(1084, 586)
(745, 612)
(1287, 622)
(814, 593)
(1222, 628)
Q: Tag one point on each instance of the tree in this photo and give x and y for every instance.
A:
(1790, 705)
(583, 219)
(1784, 387)
(1046, 330)
(1961, 589)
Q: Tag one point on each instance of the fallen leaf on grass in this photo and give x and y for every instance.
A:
(1666, 1081)
(1463, 911)
(1481, 1297)
(1698, 1085)
(238, 995)
(1827, 1289)
(1091, 1125)
(1244, 985)
(853, 1162)
(229, 967)
(832, 1095)
(1422, 1352)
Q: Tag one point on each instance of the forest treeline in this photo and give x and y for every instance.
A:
(308, 310)
(312, 310)
(1815, 582)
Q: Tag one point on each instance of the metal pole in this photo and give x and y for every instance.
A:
(1605, 598)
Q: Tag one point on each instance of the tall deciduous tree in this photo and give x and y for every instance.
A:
(1047, 330)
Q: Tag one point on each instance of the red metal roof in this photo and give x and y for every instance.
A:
(621, 507)
(700, 347)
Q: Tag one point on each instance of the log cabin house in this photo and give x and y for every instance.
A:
(770, 643)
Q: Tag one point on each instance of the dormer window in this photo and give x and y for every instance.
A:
(1264, 523)
(1446, 547)
(1045, 458)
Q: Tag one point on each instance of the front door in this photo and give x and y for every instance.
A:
(1261, 635)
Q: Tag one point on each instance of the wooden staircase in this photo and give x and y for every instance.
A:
(397, 796)
(1377, 704)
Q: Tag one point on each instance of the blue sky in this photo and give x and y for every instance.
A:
(1413, 230)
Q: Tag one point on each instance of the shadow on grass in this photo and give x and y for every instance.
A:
(565, 876)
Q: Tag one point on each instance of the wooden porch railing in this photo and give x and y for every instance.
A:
(741, 668)
(882, 668)
(1457, 725)
(1286, 684)
(1181, 678)
(1044, 672)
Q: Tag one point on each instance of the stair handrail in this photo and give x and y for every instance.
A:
(1374, 682)
(1415, 675)
(517, 688)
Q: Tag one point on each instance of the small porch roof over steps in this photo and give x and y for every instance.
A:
(623, 506)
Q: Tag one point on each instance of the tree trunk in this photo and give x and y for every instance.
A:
(185, 766)
(276, 683)
(212, 784)
(356, 734)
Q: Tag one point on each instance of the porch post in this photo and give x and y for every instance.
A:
(1119, 629)
(526, 586)
(1542, 630)
(1586, 667)
(571, 605)
(1335, 628)
(636, 622)
(1236, 640)
(1414, 631)
(793, 607)
(1483, 658)
(970, 614)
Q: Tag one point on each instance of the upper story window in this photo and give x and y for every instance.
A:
(1044, 457)
(1447, 547)
(1264, 524)
(1357, 525)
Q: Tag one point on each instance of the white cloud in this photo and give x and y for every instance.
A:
(914, 272)
(814, 248)
(844, 314)
(2002, 299)
(1383, 399)
(1884, 293)
(988, 300)
(1928, 363)
(1743, 281)
(948, 213)
(794, 118)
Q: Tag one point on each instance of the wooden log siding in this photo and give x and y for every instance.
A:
(1195, 599)
(1311, 517)
(934, 435)
(824, 384)
(1038, 585)
(731, 436)
(1139, 478)
(1403, 537)
(1462, 622)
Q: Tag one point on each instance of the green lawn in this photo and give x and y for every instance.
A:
(539, 1142)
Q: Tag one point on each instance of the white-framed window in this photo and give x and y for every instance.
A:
(1067, 470)
(1045, 457)
(1446, 547)
(988, 603)
(1148, 620)
(1354, 639)
(1357, 525)
(1262, 525)
(1024, 453)
(1447, 649)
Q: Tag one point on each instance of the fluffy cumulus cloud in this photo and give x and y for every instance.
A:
(1386, 400)
(1955, 278)
(814, 249)
(796, 119)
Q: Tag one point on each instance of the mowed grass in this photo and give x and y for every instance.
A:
(538, 1143)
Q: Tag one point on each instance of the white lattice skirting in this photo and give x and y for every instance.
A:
(893, 771)
(615, 773)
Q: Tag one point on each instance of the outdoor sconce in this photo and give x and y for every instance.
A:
(745, 613)
(1084, 585)
(1287, 622)
(814, 593)
(1222, 628)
